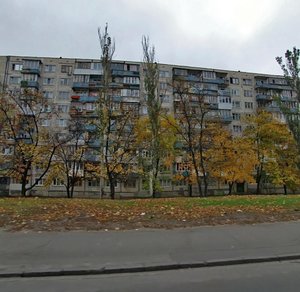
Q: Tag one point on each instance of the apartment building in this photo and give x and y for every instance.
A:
(72, 86)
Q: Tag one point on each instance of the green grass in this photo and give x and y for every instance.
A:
(25, 205)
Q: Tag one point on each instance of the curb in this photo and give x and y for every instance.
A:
(141, 269)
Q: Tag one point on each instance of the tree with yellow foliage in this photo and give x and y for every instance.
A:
(273, 145)
(165, 139)
(231, 159)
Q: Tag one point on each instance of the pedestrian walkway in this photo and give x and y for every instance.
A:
(81, 252)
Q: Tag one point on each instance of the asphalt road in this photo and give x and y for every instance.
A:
(266, 277)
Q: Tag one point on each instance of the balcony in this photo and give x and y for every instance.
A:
(31, 84)
(31, 71)
(261, 84)
(131, 99)
(264, 97)
(226, 119)
(286, 98)
(125, 73)
(87, 98)
(92, 157)
(219, 81)
(224, 93)
(94, 144)
(271, 108)
(213, 106)
(80, 85)
(90, 128)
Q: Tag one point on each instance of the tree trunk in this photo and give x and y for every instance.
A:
(285, 189)
(230, 185)
(258, 180)
(111, 186)
(190, 190)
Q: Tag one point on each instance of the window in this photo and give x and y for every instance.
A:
(63, 108)
(94, 183)
(46, 109)
(165, 182)
(236, 116)
(130, 183)
(45, 123)
(48, 81)
(248, 93)
(84, 65)
(50, 68)
(62, 123)
(6, 150)
(82, 78)
(234, 80)
(63, 95)
(30, 77)
(145, 153)
(108, 184)
(131, 80)
(96, 66)
(211, 99)
(17, 67)
(15, 80)
(249, 105)
(66, 69)
(224, 99)
(235, 92)
(164, 74)
(236, 104)
(40, 182)
(48, 94)
(58, 182)
(182, 167)
(247, 81)
(237, 128)
(165, 98)
(209, 75)
(130, 92)
(163, 85)
(64, 81)
(90, 106)
(131, 67)
(31, 64)
(180, 72)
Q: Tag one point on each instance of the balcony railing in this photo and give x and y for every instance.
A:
(224, 92)
(32, 84)
(80, 85)
(125, 73)
(31, 71)
(226, 119)
(260, 84)
(265, 97)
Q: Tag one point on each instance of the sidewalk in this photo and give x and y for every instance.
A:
(32, 254)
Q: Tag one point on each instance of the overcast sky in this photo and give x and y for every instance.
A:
(243, 35)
